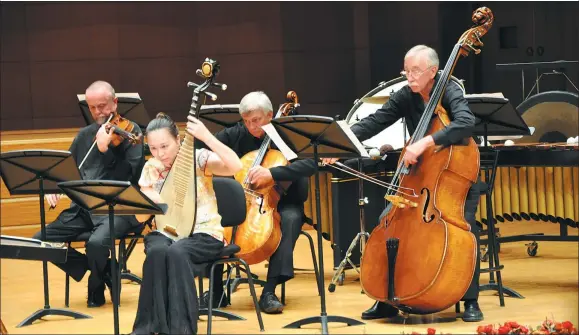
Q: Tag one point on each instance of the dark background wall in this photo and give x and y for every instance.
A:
(330, 53)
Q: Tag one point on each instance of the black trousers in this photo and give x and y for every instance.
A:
(281, 263)
(168, 296)
(470, 207)
(67, 227)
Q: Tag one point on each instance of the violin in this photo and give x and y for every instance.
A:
(122, 130)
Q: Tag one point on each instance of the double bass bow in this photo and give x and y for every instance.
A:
(260, 234)
(422, 256)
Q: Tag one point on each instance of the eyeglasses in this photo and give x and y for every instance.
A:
(414, 73)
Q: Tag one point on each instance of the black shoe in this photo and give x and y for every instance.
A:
(96, 298)
(380, 310)
(218, 302)
(270, 304)
(472, 312)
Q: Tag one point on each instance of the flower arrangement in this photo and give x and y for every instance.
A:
(514, 328)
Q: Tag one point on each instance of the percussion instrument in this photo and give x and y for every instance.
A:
(536, 178)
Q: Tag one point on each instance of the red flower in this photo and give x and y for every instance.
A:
(512, 324)
(504, 330)
(558, 326)
(431, 331)
(524, 330)
(567, 325)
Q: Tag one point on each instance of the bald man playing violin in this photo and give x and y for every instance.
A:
(421, 69)
(101, 160)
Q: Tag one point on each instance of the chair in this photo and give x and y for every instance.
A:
(488, 164)
(231, 206)
(124, 253)
(309, 221)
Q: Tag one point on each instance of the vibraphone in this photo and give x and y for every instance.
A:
(536, 182)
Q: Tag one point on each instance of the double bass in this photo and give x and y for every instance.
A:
(422, 256)
(179, 190)
(260, 234)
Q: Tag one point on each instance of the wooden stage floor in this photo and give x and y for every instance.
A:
(548, 281)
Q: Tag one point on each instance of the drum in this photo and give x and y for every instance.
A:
(396, 134)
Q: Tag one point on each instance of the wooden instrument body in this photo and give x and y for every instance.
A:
(179, 194)
(437, 252)
(260, 234)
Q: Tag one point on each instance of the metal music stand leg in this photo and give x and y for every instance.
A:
(324, 318)
(362, 236)
(47, 310)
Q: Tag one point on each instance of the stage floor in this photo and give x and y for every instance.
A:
(548, 282)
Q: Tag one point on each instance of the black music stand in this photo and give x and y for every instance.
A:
(38, 172)
(315, 137)
(219, 116)
(496, 117)
(129, 105)
(106, 197)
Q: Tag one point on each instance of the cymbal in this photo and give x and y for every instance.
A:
(379, 100)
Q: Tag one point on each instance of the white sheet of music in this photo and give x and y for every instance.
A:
(485, 95)
(82, 97)
(280, 144)
(346, 128)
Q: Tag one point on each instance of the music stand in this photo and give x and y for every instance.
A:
(495, 116)
(129, 105)
(106, 197)
(315, 137)
(38, 172)
(219, 116)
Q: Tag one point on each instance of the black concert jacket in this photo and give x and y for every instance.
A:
(123, 162)
(240, 140)
(410, 105)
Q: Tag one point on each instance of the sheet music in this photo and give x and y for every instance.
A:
(82, 97)
(281, 145)
(485, 95)
(359, 146)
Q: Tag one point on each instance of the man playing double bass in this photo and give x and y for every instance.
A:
(256, 111)
(421, 68)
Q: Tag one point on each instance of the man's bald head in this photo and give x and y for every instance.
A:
(101, 100)
(101, 86)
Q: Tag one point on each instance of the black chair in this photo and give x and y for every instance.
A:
(231, 206)
(488, 165)
(309, 221)
(125, 252)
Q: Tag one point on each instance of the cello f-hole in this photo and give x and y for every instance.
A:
(425, 208)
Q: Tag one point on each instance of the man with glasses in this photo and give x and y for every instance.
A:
(256, 111)
(421, 68)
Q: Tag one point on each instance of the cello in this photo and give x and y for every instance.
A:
(260, 234)
(422, 256)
